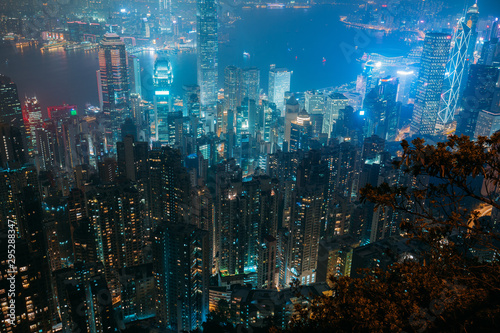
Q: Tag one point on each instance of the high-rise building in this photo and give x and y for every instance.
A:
(251, 83)
(307, 217)
(334, 103)
(208, 52)
(471, 18)
(462, 55)
(10, 106)
(114, 77)
(33, 122)
(181, 271)
(162, 100)
(300, 132)
(117, 216)
(32, 298)
(169, 186)
(279, 84)
(135, 75)
(12, 153)
(259, 217)
(477, 97)
(228, 236)
(84, 287)
(381, 109)
(314, 102)
(191, 100)
(232, 88)
(292, 109)
(430, 83)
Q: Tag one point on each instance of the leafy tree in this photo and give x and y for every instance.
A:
(455, 287)
(218, 320)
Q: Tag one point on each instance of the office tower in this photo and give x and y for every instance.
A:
(175, 122)
(135, 75)
(12, 153)
(314, 102)
(117, 216)
(292, 109)
(191, 100)
(33, 122)
(251, 83)
(232, 87)
(162, 100)
(487, 124)
(471, 18)
(430, 83)
(477, 97)
(406, 78)
(490, 54)
(300, 132)
(460, 59)
(334, 103)
(76, 31)
(114, 78)
(381, 109)
(264, 120)
(140, 116)
(10, 106)
(364, 81)
(169, 186)
(279, 84)
(181, 271)
(208, 52)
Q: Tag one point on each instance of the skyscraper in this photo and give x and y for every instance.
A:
(32, 116)
(181, 272)
(117, 217)
(114, 78)
(251, 83)
(12, 152)
(430, 83)
(232, 87)
(135, 75)
(279, 83)
(461, 56)
(334, 103)
(162, 100)
(10, 106)
(169, 186)
(478, 96)
(208, 49)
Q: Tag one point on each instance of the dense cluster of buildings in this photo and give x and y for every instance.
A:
(157, 212)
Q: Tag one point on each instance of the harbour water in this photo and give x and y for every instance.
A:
(320, 50)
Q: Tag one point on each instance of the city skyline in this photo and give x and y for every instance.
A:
(199, 190)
